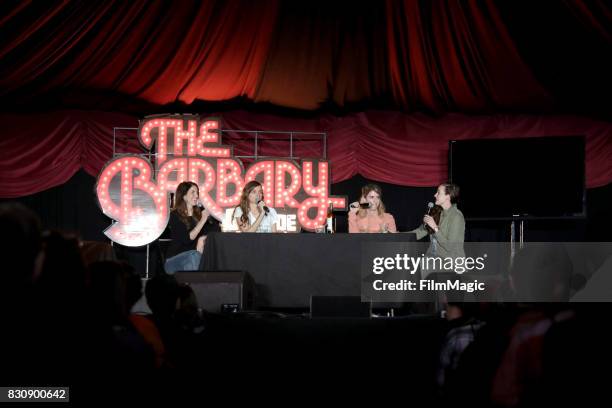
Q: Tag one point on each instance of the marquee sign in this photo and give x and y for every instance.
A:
(135, 193)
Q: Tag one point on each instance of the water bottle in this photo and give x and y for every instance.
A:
(330, 219)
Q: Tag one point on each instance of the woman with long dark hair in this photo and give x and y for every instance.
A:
(251, 214)
(189, 225)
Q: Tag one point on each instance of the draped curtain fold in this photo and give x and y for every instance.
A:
(402, 77)
(45, 150)
(437, 56)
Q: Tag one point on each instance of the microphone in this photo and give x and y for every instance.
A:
(199, 205)
(357, 205)
(430, 205)
(266, 209)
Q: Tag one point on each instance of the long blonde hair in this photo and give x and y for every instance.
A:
(367, 189)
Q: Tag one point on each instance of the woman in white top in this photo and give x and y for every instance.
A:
(252, 215)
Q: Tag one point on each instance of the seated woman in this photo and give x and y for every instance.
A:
(368, 215)
(251, 214)
(188, 228)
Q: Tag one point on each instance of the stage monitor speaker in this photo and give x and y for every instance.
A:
(218, 292)
(339, 306)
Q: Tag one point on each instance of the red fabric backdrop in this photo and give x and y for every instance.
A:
(44, 150)
(438, 56)
(477, 68)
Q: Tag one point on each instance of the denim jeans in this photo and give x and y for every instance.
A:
(185, 261)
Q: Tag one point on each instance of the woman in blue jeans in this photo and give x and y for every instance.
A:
(189, 225)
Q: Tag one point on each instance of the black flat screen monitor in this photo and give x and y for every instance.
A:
(522, 178)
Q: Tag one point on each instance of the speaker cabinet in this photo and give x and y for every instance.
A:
(220, 291)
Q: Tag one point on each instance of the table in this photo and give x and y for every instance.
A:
(289, 268)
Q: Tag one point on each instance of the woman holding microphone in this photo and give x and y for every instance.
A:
(252, 215)
(368, 215)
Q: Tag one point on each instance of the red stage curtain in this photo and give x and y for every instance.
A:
(479, 68)
(44, 150)
(436, 56)
(154, 50)
(40, 151)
